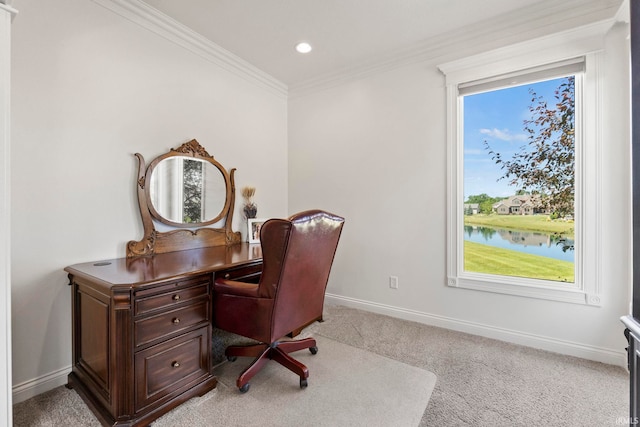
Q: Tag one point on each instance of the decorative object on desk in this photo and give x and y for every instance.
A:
(253, 229)
(250, 208)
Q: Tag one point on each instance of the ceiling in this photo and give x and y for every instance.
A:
(344, 33)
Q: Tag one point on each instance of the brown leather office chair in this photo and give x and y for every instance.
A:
(297, 257)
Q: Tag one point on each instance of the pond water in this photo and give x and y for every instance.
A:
(531, 242)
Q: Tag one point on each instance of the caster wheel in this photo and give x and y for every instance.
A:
(303, 383)
(313, 350)
(232, 358)
(244, 388)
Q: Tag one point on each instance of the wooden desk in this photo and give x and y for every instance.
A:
(142, 329)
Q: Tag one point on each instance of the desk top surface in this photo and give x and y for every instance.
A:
(128, 272)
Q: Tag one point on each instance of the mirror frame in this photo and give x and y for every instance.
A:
(184, 236)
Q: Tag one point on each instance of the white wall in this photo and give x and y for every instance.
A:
(90, 89)
(373, 149)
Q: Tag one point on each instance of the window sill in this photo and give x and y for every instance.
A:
(529, 288)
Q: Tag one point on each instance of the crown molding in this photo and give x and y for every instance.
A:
(624, 12)
(536, 21)
(515, 27)
(575, 42)
(140, 13)
(6, 6)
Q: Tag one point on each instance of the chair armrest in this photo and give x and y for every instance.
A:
(232, 287)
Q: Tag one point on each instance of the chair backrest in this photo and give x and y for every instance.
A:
(297, 258)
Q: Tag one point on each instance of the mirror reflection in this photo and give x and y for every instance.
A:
(187, 190)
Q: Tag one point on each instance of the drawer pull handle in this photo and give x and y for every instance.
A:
(176, 320)
(226, 276)
(176, 297)
(175, 364)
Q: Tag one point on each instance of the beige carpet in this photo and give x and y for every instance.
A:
(488, 383)
(481, 382)
(347, 387)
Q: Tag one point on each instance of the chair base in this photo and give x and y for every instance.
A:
(278, 351)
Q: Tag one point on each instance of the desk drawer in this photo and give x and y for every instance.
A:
(171, 294)
(171, 366)
(170, 322)
(249, 273)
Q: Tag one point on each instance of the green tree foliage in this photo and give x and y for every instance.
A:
(546, 164)
(484, 201)
(192, 191)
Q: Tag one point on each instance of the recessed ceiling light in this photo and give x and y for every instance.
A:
(303, 47)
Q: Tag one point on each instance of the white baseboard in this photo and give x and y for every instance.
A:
(569, 348)
(36, 386)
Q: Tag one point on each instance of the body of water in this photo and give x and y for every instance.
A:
(531, 242)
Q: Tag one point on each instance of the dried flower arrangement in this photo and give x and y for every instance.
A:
(250, 208)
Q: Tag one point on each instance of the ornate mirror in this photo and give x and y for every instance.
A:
(189, 193)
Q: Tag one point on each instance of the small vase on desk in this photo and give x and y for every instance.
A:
(250, 210)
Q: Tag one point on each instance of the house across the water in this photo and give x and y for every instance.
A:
(525, 204)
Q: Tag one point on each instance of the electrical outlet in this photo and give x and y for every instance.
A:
(393, 282)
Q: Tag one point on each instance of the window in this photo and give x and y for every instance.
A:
(496, 106)
(519, 150)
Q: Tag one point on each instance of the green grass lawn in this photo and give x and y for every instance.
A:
(487, 259)
(523, 222)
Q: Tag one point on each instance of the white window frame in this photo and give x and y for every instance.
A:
(585, 42)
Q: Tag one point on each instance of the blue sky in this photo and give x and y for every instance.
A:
(497, 117)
